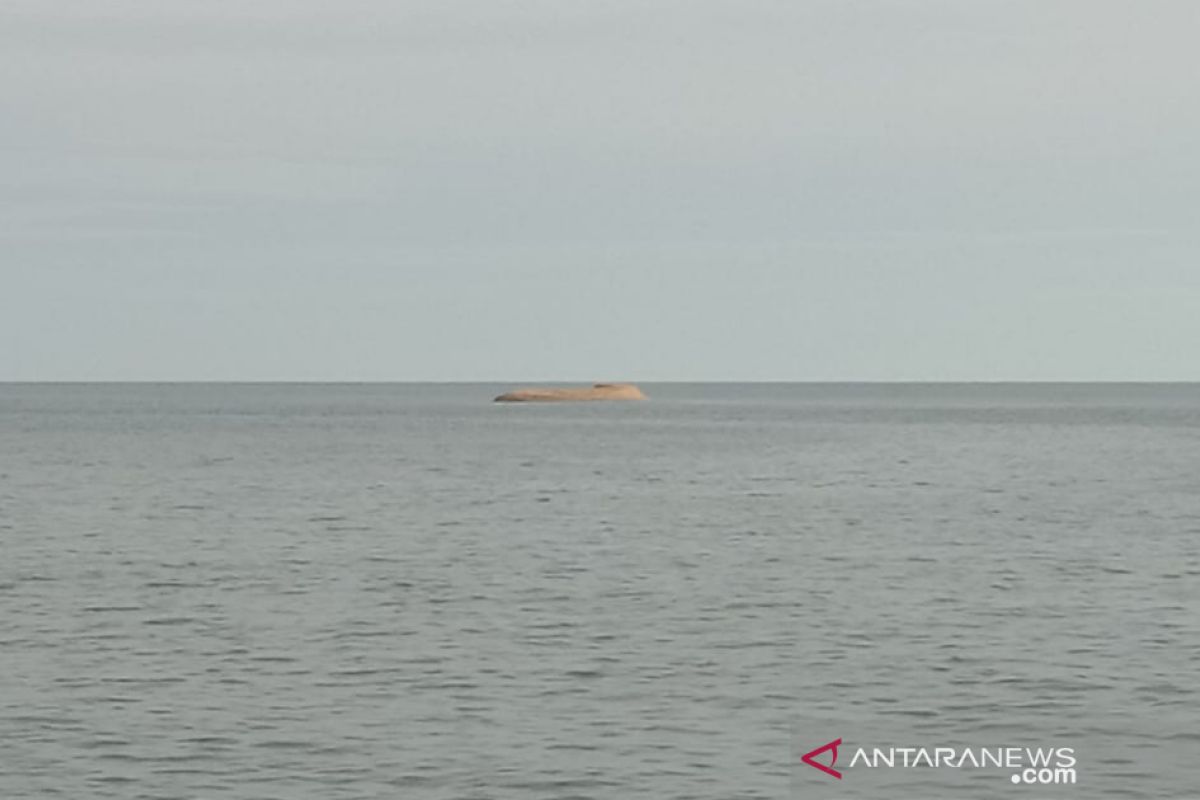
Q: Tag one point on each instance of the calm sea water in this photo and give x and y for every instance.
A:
(405, 591)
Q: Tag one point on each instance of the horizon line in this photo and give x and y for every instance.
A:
(506, 382)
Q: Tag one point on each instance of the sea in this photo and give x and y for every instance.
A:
(336, 591)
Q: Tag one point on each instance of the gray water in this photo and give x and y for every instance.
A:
(405, 591)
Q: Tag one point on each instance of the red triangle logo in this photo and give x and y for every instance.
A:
(807, 758)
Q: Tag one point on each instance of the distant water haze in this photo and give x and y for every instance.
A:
(348, 591)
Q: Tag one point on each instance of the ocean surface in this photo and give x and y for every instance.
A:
(406, 591)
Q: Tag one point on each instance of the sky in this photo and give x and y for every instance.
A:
(502, 190)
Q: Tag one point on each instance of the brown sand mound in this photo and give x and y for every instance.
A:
(601, 391)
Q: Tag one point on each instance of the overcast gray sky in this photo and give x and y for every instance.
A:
(644, 190)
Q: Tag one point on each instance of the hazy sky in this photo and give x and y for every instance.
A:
(553, 189)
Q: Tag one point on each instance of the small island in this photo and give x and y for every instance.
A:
(600, 391)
